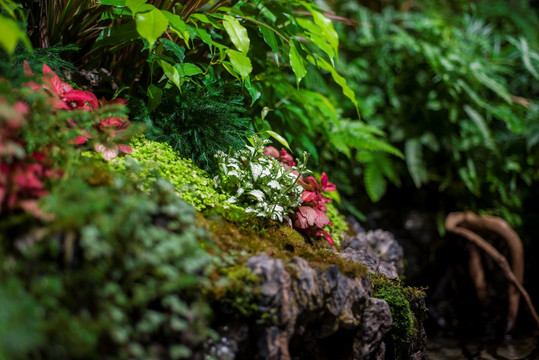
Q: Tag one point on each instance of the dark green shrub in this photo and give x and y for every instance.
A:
(200, 121)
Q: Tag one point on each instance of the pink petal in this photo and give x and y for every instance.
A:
(326, 235)
(125, 148)
(271, 151)
(53, 81)
(309, 214)
(80, 140)
(108, 153)
(93, 100)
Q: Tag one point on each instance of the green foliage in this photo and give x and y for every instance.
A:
(455, 94)
(339, 227)
(199, 122)
(116, 275)
(12, 32)
(259, 182)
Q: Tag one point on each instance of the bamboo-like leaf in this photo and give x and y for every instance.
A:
(279, 138)
(271, 40)
(297, 64)
(238, 34)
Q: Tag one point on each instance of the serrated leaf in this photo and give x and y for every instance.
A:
(238, 34)
(279, 138)
(297, 63)
(240, 62)
(151, 25)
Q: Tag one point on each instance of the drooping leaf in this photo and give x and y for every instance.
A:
(413, 153)
(269, 37)
(240, 62)
(171, 73)
(279, 138)
(176, 49)
(297, 63)
(154, 96)
(151, 25)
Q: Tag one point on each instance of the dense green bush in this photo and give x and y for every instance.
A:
(444, 89)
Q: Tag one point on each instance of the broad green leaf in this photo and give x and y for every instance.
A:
(279, 138)
(238, 34)
(271, 40)
(154, 96)
(413, 153)
(176, 49)
(177, 25)
(171, 73)
(11, 34)
(151, 25)
(297, 64)
(240, 62)
(137, 6)
(188, 69)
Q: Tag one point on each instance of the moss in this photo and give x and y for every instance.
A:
(340, 226)
(278, 241)
(398, 298)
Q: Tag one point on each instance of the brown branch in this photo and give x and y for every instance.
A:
(477, 274)
(452, 224)
(502, 228)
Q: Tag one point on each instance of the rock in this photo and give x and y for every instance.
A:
(377, 249)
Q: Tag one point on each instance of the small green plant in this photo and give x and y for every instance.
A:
(259, 182)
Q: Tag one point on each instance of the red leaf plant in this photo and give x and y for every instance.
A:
(310, 218)
(22, 175)
(66, 98)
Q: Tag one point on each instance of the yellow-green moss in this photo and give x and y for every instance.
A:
(398, 298)
(278, 241)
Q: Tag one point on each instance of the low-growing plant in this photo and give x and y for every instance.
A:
(259, 182)
(151, 160)
(118, 278)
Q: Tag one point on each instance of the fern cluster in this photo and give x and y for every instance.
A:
(199, 122)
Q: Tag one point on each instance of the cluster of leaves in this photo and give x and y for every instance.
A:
(199, 122)
(442, 87)
(119, 277)
(260, 183)
(64, 97)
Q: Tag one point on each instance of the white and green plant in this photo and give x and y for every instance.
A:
(259, 182)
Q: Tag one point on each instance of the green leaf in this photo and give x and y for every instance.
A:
(240, 62)
(238, 34)
(271, 40)
(171, 73)
(137, 6)
(413, 153)
(253, 91)
(279, 138)
(347, 91)
(375, 183)
(151, 25)
(113, 2)
(325, 24)
(481, 125)
(154, 96)
(188, 69)
(177, 25)
(11, 34)
(176, 49)
(297, 63)
(117, 34)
